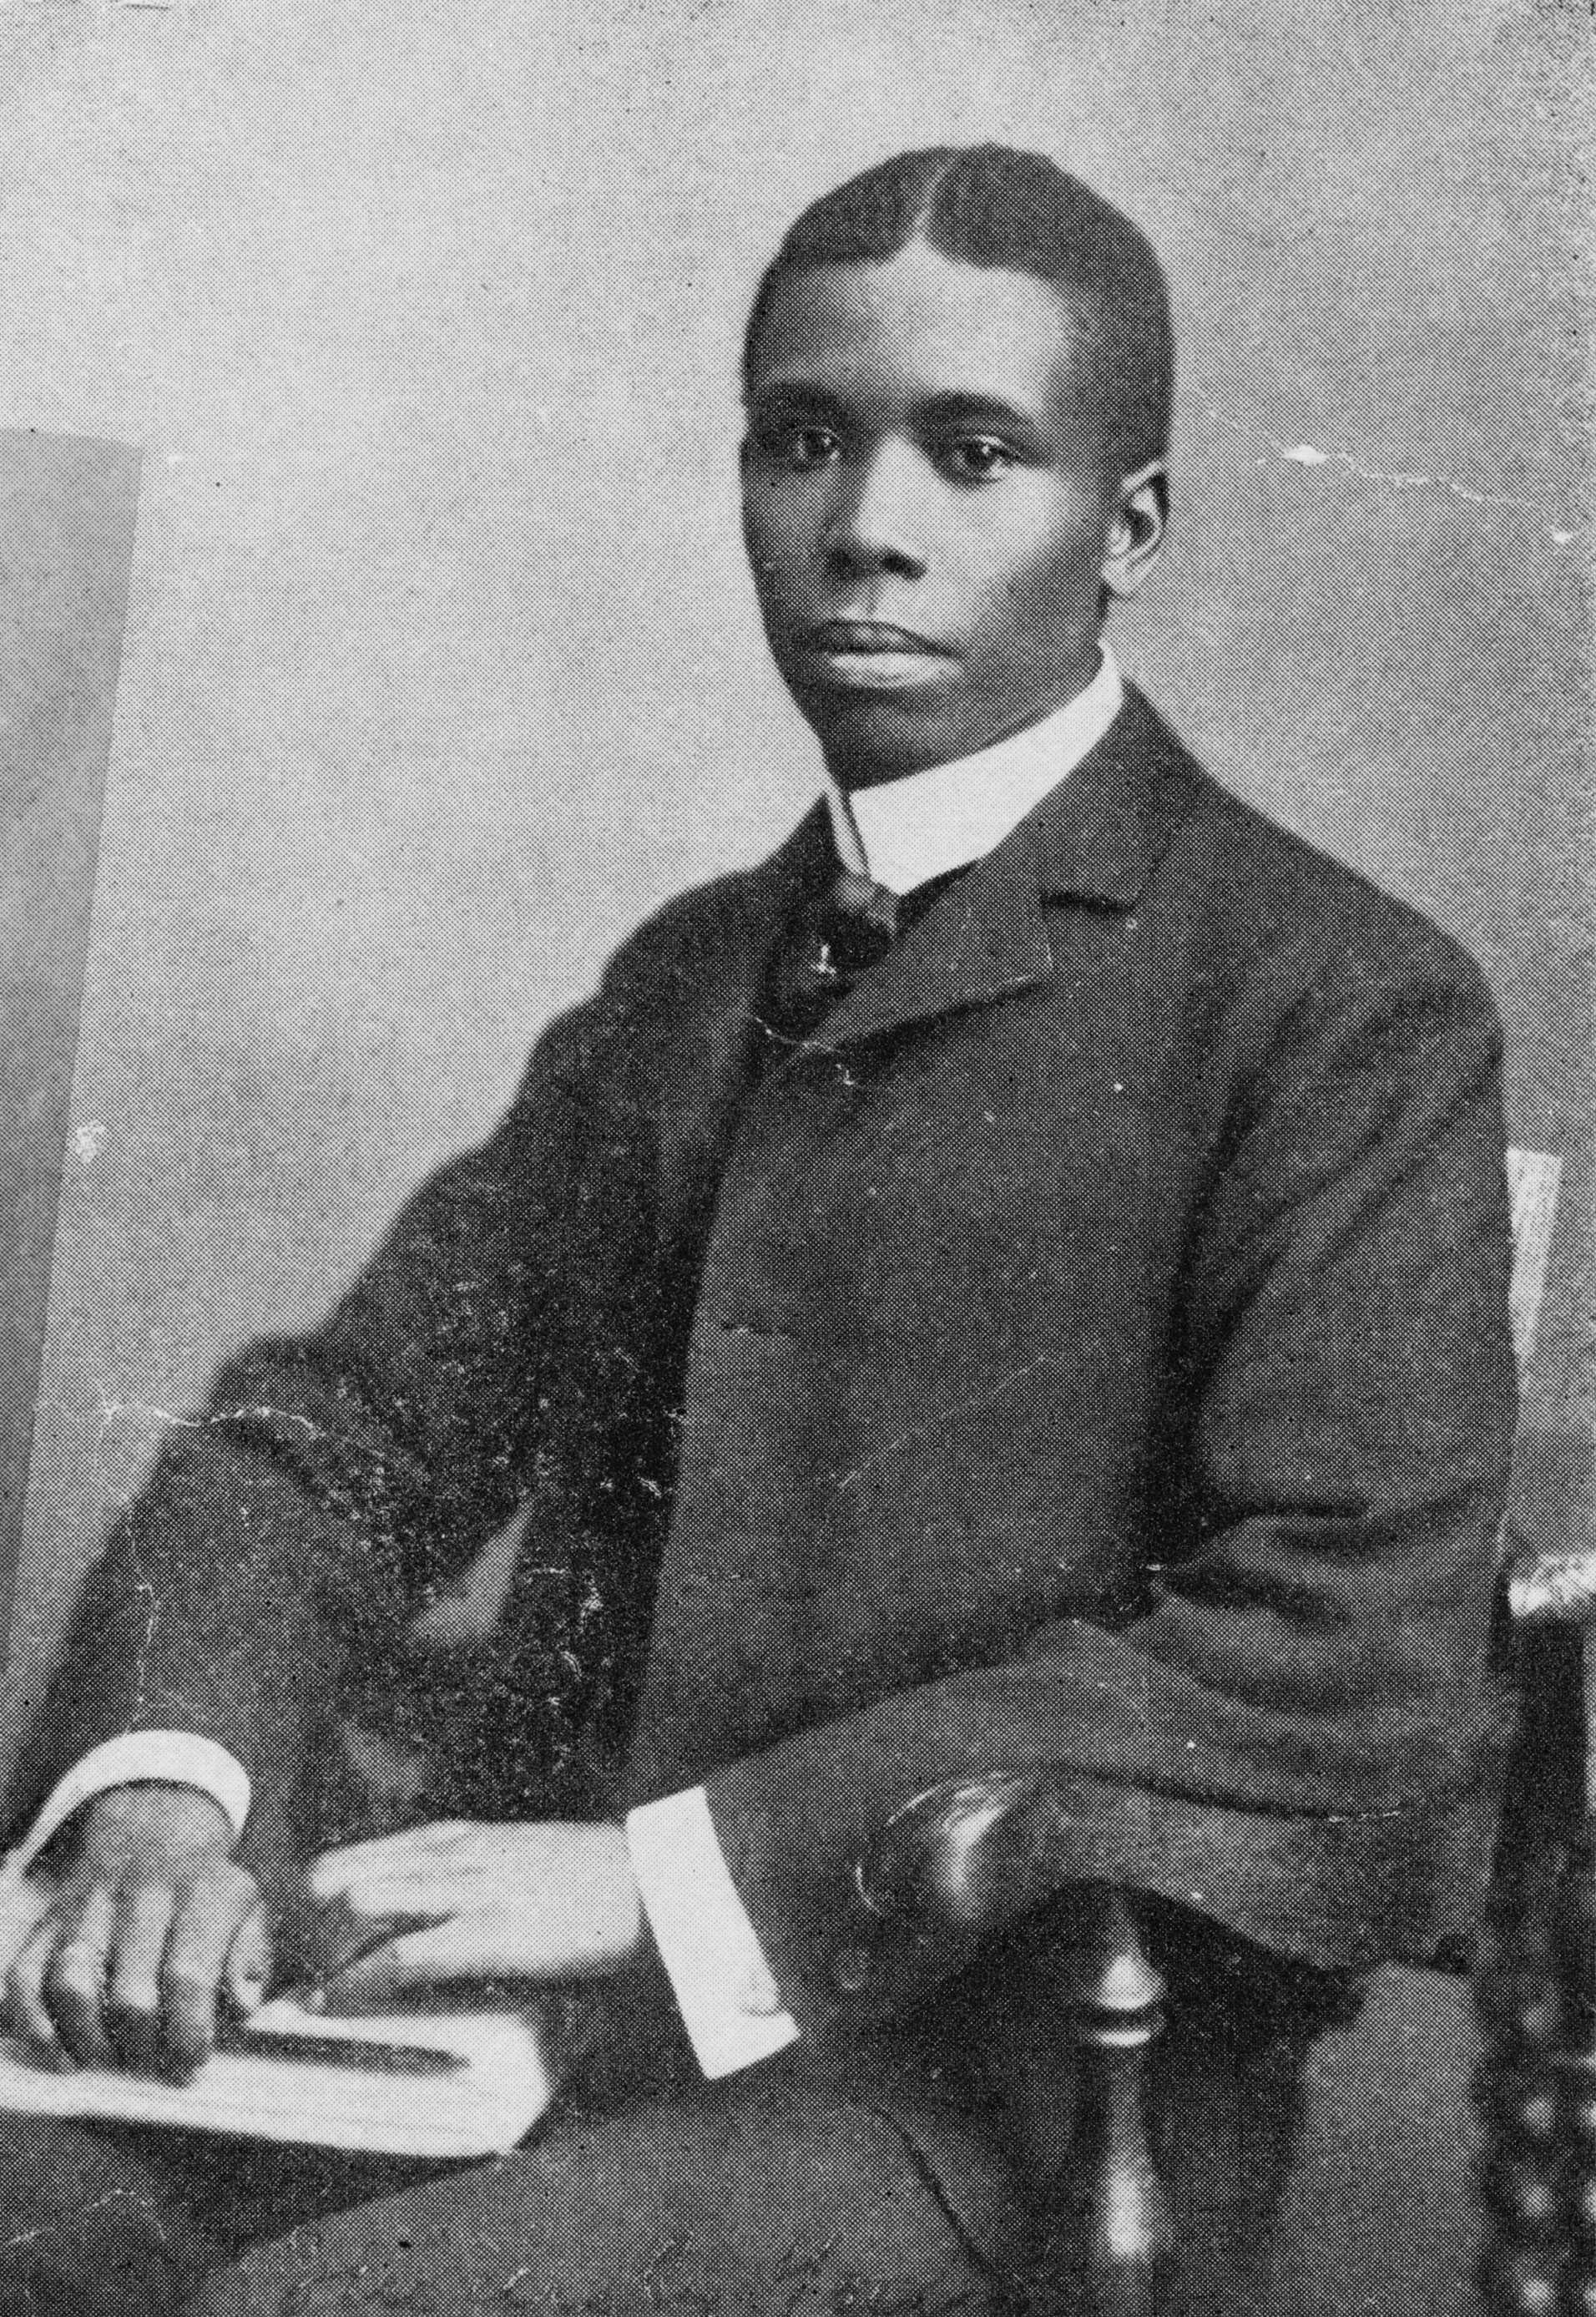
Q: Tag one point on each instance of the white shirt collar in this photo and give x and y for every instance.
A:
(928, 823)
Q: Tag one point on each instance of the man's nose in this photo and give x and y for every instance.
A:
(875, 524)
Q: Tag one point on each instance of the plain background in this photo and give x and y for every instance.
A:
(442, 667)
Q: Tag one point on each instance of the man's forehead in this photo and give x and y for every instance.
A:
(919, 324)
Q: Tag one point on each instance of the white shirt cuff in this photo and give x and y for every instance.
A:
(730, 2005)
(172, 1756)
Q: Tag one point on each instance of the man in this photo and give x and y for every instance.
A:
(1055, 1317)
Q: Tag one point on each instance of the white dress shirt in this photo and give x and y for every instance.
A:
(902, 835)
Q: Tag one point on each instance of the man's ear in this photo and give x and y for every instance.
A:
(1136, 532)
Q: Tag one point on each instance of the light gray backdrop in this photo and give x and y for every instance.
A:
(441, 666)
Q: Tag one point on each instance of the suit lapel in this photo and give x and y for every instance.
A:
(982, 939)
(1096, 839)
(711, 1065)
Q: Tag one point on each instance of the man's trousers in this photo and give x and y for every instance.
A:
(784, 2192)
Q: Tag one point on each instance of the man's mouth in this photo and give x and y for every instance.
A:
(864, 635)
(869, 654)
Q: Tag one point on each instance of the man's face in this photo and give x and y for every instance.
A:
(929, 530)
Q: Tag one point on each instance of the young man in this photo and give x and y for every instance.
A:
(1019, 1280)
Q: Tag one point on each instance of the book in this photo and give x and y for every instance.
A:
(446, 2084)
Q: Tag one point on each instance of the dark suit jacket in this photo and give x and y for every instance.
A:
(1090, 1350)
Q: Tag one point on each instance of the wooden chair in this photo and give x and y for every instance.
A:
(968, 1859)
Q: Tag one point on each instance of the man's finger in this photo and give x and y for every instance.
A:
(428, 1893)
(443, 1952)
(24, 1901)
(27, 2014)
(354, 1862)
(133, 1981)
(211, 1913)
(249, 1962)
(75, 1980)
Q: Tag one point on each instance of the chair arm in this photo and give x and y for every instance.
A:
(958, 1863)
(967, 1859)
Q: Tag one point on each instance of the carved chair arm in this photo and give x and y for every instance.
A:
(957, 1864)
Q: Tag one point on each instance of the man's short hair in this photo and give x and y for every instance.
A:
(992, 205)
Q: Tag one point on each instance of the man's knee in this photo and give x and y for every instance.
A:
(768, 2207)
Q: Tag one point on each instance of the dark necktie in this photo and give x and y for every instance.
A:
(837, 935)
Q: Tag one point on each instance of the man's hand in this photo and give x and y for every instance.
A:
(531, 1901)
(153, 1923)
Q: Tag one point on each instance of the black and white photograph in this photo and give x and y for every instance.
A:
(796, 1160)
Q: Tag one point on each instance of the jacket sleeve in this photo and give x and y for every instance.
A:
(296, 1524)
(1277, 1734)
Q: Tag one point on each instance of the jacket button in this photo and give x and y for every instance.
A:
(851, 1968)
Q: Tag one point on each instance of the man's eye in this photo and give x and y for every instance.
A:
(796, 446)
(977, 457)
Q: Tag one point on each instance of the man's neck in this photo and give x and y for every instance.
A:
(923, 824)
(853, 774)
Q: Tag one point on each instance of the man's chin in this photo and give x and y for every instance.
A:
(869, 738)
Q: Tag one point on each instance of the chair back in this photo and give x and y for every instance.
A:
(1536, 1985)
(1533, 1177)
